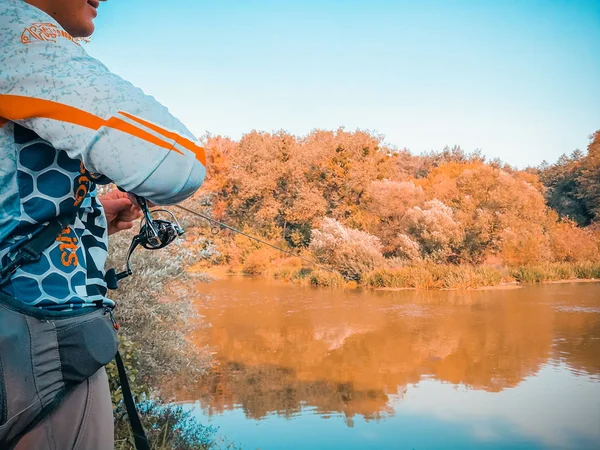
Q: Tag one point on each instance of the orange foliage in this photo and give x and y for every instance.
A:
(590, 176)
(351, 252)
(525, 244)
(572, 244)
(445, 207)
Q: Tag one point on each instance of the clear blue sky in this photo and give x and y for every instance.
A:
(519, 80)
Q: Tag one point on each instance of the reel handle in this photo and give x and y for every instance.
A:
(154, 234)
(112, 278)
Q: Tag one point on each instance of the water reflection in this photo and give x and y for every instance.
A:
(281, 349)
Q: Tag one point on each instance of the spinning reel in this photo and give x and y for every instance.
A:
(154, 234)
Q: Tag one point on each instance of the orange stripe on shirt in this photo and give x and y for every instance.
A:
(186, 143)
(126, 127)
(16, 107)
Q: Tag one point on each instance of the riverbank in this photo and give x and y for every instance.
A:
(424, 276)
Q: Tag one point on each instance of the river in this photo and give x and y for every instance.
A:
(313, 368)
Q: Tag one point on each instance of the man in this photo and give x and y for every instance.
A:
(66, 123)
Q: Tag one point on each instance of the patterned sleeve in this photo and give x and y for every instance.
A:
(49, 84)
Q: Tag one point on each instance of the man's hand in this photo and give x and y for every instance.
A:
(120, 210)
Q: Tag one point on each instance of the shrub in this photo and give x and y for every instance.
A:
(435, 229)
(326, 279)
(570, 243)
(351, 252)
(525, 244)
(257, 263)
(407, 248)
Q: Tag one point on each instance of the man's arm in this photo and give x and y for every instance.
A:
(50, 85)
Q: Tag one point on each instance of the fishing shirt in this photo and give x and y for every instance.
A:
(66, 123)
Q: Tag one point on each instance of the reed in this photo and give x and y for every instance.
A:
(556, 272)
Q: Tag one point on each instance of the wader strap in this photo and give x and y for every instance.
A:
(33, 249)
(139, 435)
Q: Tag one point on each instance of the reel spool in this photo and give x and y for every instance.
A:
(154, 234)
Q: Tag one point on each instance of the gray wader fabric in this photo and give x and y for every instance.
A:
(83, 421)
(45, 356)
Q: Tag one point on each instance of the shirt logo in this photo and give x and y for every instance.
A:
(83, 185)
(68, 248)
(44, 32)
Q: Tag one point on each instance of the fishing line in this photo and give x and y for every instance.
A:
(222, 225)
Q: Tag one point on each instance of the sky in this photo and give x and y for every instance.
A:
(518, 80)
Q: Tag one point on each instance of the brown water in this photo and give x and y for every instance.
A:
(300, 367)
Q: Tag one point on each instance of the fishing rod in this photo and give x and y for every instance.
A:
(155, 234)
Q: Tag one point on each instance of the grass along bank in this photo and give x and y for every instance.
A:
(469, 277)
(422, 276)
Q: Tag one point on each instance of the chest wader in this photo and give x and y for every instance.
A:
(45, 354)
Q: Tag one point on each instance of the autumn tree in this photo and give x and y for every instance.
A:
(569, 243)
(562, 181)
(389, 201)
(589, 179)
(573, 183)
(266, 186)
(341, 166)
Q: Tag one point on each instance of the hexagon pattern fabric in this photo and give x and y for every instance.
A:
(70, 273)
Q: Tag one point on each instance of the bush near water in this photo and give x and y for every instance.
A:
(383, 217)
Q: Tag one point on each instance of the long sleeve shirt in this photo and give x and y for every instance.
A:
(65, 121)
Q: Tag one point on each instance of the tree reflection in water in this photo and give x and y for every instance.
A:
(282, 348)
